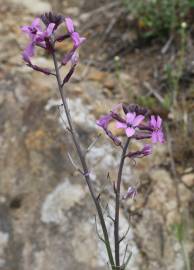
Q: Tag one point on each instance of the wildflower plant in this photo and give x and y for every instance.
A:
(135, 121)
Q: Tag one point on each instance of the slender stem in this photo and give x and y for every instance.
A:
(117, 205)
(83, 162)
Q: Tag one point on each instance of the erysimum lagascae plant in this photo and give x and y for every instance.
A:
(136, 122)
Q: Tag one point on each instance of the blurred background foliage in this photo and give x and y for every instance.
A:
(160, 18)
(167, 28)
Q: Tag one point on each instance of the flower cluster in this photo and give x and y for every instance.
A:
(137, 124)
(43, 33)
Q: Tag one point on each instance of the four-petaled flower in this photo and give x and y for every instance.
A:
(77, 40)
(37, 37)
(156, 126)
(131, 122)
(103, 123)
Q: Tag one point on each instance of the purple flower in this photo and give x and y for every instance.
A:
(35, 31)
(37, 37)
(131, 122)
(156, 126)
(147, 150)
(131, 193)
(104, 121)
(72, 56)
(69, 24)
(77, 40)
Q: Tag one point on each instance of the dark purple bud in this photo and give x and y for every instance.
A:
(147, 150)
(62, 37)
(46, 71)
(142, 136)
(117, 117)
(144, 127)
(103, 123)
(113, 138)
(135, 108)
(69, 74)
(51, 17)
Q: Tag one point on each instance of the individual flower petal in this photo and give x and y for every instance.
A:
(154, 137)
(69, 24)
(50, 29)
(104, 121)
(77, 40)
(32, 29)
(74, 58)
(36, 24)
(28, 52)
(160, 136)
(158, 122)
(138, 119)
(120, 125)
(130, 131)
(67, 57)
(153, 121)
(130, 117)
(41, 35)
(25, 29)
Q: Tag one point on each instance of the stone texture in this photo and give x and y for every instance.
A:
(33, 6)
(46, 212)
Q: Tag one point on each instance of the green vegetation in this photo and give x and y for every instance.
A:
(159, 18)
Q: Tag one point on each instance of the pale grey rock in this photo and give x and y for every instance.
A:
(58, 202)
(83, 238)
(33, 6)
(49, 225)
(4, 237)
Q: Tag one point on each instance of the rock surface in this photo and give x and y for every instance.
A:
(46, 214)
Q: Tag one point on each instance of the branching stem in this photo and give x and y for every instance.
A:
(83, 162)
